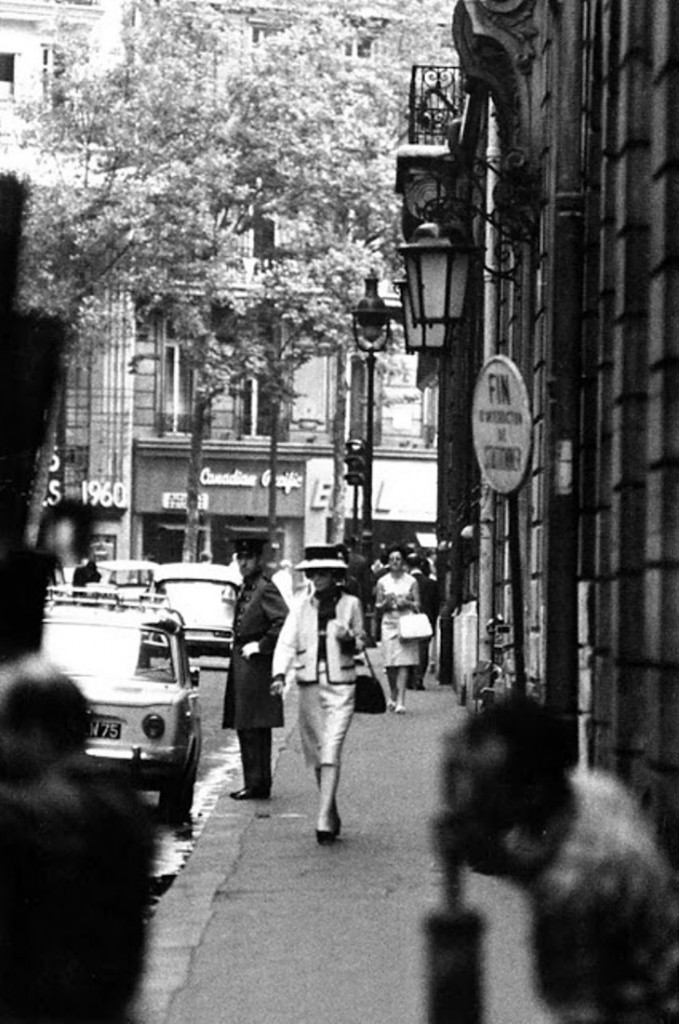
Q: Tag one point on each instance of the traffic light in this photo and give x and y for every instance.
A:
(354, 456)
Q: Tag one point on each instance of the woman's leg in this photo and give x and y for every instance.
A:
(327, 811)
(401, 682)
(391, 679)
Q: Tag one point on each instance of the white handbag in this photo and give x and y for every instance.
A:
(415, 626)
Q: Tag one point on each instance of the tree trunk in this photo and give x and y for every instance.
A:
(337, 524)
(273, 474)
(201, 404)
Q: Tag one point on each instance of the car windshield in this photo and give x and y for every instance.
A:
(201, 600)
(109, 651)
(128, 577)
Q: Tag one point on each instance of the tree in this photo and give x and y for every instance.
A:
(156, 163)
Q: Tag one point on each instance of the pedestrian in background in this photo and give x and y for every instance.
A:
(603, 896)
(359, 574)
(428, 594)
(249, 706)
(321, 636)
(396, 595)
(86, 574)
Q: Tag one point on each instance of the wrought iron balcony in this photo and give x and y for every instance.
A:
(436, 98)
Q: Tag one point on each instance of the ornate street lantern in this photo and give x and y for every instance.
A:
(372, 331)
(437, 266)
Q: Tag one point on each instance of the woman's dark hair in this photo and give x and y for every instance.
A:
(403, 552)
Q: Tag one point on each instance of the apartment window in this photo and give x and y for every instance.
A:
(255, 411)
(177, 386)
(361, 47)
(7, 71)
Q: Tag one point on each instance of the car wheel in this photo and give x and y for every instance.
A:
(176, 798)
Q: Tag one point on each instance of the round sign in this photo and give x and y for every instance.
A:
(502, 424)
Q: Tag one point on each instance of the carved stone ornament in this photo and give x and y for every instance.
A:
(496, 41)
(503, 6)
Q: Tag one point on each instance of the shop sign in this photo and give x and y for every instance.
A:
(100, 492)
(175, 501)
(287, 482)
(502, 424)
(104, 493)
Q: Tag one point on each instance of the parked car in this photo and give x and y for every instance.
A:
(205, 594)
(132, 576)
(131, 663)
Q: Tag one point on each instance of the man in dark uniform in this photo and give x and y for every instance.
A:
(249, 707)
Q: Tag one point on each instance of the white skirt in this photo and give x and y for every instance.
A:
(325, 713)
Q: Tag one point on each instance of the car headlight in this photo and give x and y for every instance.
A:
(153, 726)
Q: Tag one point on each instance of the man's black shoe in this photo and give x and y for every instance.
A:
(250, 794)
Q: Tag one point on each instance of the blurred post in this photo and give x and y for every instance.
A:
(30, 355)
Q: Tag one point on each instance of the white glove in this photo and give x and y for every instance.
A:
(249, 649)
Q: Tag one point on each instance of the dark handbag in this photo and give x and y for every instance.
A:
(369, 699)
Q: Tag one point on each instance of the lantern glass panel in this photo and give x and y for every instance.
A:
(435, 283)
(420, 336)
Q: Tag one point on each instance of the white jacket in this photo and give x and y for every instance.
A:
(297, 644)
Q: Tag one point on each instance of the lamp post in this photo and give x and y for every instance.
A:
(372, 331)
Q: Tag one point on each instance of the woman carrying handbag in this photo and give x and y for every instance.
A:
(397, 596)
(320, 637)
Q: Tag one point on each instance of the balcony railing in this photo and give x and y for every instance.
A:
(171, 423)
(436, 99)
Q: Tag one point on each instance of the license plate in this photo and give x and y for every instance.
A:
(100, 729)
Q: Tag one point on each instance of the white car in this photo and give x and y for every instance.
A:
(130, 661)
(132, 576)
(205, 595)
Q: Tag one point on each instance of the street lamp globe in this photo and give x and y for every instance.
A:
(371, 318)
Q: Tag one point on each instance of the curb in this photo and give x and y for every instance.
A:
(183, 913)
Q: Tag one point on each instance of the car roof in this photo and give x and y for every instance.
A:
(126, 563)
(209, 571)
(101, 604)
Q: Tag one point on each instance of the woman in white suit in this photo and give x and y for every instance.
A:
(320, 638)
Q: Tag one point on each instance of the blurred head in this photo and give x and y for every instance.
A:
(75, 857)
(43, 716)
(506, 771)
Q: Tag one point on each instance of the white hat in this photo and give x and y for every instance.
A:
(322, 556)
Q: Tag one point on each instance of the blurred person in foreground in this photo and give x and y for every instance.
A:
(320, 637)
(249, 706)
(75, 857)
(604, 904)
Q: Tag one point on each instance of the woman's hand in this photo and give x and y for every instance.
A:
(277, 686)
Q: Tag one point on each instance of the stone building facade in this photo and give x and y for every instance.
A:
(585, 190)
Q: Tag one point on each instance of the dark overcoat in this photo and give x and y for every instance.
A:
(260, 613)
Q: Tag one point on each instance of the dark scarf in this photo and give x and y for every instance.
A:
(327, 609)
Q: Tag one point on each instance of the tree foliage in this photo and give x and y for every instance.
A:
(154, 163)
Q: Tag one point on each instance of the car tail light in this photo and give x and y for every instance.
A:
(153, 726)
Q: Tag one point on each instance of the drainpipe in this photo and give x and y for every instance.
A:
(562, 454)
(490, 321)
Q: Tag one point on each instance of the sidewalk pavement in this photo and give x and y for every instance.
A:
(264, 926)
